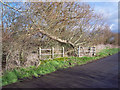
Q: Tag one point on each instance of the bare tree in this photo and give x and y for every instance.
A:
(71, 24)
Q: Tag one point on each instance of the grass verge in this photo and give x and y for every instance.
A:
(49, 66)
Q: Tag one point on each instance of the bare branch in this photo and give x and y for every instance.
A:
(13, 8)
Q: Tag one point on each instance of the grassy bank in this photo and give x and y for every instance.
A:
(49, 66)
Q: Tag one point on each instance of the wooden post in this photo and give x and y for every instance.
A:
(53, 52)
(39, 52)
(63, 52)
(89, 49)
(79, 51)
(91, 52)
(94, 50)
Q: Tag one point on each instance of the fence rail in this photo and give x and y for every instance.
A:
(52, 50)
(82, 51)
(45, 49)
(86, 50)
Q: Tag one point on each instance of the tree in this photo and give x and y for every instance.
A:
(69, 24)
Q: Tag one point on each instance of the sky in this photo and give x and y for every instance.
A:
(109, 9)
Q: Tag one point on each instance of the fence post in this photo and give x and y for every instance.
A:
(52, 52)
(94, 51)
(39, 52)
(89, 51)
(63, 52)
(79, 51)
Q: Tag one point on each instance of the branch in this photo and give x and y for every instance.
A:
(69, 51)
(64, 20)
(78, 39)
(54, 38)
(81, 43)
(12, 7)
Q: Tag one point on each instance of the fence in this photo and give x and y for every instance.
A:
(89, 51)
(52, 52)
(82, 51)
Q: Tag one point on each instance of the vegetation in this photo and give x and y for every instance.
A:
(29, 25)
(107, 52)
(49, 66)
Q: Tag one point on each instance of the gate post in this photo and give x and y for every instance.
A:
(52, 52)
(94, 51)
(39, 52)
(79, 51)
(63, 52)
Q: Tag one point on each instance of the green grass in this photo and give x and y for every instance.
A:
(107, 52)
(49, 66)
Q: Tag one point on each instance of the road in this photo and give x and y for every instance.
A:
(101, 73)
